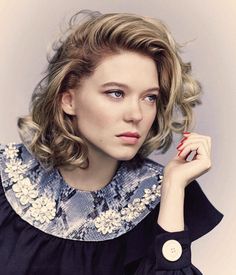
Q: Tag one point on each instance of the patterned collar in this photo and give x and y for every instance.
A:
(43, 199)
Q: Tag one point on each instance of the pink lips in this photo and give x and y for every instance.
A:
(130, 134)
(129, 137)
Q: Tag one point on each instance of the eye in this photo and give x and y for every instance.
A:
(152, 97)
(116, 93)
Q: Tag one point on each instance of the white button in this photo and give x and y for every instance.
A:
(172, 250)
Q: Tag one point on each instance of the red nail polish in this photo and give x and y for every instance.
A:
(180, 152)
(183, 139)
(186, 133)
(179, 145)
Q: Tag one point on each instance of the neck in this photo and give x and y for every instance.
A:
(95, 177)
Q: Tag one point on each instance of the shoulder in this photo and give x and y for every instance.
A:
(11, 151)
(8, 153)
(15, 160)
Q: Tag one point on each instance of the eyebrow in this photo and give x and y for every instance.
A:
(126, 86)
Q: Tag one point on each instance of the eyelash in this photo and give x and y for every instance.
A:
(121, 92)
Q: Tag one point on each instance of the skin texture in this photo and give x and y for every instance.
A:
(101, 113)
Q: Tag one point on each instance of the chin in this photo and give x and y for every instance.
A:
(125, 157)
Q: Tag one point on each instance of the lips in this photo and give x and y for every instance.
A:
(130, 134)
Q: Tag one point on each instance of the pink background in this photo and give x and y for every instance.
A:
(27, 27)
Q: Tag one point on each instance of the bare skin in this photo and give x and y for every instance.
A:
(178, 173)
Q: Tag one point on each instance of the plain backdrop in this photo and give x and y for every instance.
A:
(27, 28)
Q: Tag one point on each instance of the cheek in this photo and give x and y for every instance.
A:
(97, 117)
(151, 115)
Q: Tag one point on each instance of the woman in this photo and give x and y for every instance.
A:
(79, 195)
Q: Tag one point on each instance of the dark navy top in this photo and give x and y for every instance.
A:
(50, 228)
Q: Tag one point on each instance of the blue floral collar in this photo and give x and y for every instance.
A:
(43, 199)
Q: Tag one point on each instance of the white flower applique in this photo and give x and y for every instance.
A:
(112, 220)
(108, 221)
(25, 191)
(133, 210)
(41, 208)
(15, 170)
(14, 167)
(11, 151)
(151, 194)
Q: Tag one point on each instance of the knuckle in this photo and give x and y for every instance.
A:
(208, 164)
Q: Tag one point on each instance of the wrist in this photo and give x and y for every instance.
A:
(172, 191)
(175, 184)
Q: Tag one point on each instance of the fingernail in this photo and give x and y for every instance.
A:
(179, 152)
(186, 133)
(181, 142)
(183, 139)
(179, 145)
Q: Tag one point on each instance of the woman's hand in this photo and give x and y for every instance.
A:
(179, 170)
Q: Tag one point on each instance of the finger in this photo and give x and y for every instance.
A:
(195, 140)
(198, 147)
(195, 136)
(189, 136)
(188, 141)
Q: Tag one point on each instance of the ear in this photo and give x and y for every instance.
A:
(68, 102)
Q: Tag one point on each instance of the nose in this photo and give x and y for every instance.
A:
(133, 111)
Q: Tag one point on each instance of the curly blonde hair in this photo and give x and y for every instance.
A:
(51, 134)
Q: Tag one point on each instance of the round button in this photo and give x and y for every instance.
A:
(172, 250)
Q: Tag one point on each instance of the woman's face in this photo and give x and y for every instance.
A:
(120, 96)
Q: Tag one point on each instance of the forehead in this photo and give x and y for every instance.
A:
(126, 67)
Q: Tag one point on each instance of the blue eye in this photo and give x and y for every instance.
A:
(153, 98)
(115, 92)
